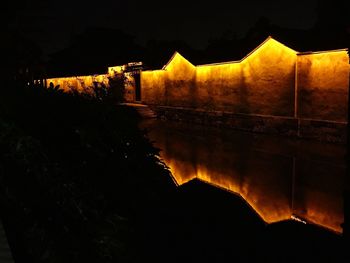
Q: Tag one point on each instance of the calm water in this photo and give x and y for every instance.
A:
(281, 179)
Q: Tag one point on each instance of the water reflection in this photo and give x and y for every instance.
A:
(279, 178)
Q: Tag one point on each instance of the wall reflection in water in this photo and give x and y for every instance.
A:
(279, 178)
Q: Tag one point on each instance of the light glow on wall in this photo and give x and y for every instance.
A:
(323, 85)
(270, 81)
(239, 86)
(115, 70)
(81, 84)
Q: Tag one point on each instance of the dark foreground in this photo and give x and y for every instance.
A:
(80, 182)
(206, 224)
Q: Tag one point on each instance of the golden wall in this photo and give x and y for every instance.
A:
(172, 86)
(323, 84)
(262, 83)
(81, 84)
(85, 84)
(153, 87)
(268, 75)
(116, 70)
(273, 80)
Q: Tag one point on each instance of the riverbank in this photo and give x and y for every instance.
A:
(311, 129)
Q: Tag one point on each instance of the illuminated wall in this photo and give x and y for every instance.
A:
(82, 84)
(268, 75)
(172, 86)
(323, 84)
(271, 81)
(262, 83)
(179, 84)
(153, 87)
(115, 70)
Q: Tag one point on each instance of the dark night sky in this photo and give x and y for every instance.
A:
(53, 22)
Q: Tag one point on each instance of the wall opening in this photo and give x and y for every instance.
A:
(137, 86)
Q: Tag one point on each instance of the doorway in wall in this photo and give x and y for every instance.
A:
(137, 87)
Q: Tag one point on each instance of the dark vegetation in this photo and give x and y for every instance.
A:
(77, 176)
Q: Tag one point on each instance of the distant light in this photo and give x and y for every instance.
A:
(297, 219)
(135, 64)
